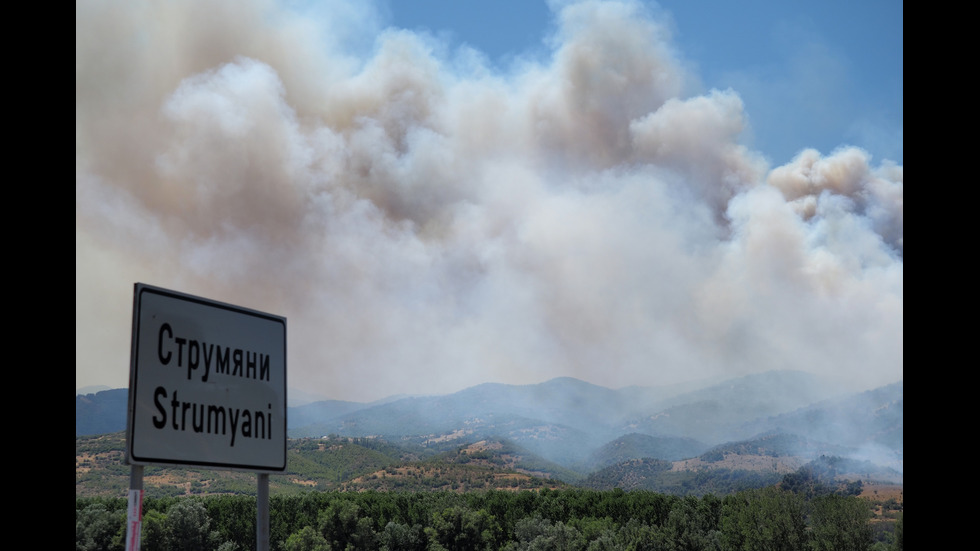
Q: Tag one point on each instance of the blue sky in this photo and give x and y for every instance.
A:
(443, 194)
(811, 74)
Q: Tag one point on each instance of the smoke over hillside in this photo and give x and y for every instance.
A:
(427, 221)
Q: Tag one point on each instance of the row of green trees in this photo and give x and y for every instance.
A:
(769, 519)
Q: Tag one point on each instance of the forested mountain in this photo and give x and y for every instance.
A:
(769, 423)
(872, 421)
(706, 414)
(635, 445)
(102, 412)
(570, 421)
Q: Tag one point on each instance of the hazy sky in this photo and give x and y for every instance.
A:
(436, 197)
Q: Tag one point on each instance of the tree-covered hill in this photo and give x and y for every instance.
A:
(635, 445)
(562, 431)
(346, 463)
(101, 412)
(581, 425)
(337, 463)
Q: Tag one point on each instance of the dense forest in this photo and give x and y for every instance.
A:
(801, 516)
(368, 494)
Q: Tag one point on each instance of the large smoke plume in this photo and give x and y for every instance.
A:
(427, 221)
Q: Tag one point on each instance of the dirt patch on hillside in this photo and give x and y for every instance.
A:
(883, 492)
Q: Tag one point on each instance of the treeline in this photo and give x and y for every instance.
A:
(770, 518)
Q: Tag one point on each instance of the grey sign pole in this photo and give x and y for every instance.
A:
(134, 511)
(262, 518)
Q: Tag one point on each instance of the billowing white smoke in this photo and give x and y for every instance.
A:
(426, 222)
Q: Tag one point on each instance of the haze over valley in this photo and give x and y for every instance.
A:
(768, 424)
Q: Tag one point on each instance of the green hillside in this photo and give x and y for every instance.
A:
(358, 464)
(333, 463)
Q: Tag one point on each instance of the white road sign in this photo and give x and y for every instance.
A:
(207, 384)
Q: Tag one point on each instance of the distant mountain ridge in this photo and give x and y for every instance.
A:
(102, 412)
(91, 389)
(581, 425)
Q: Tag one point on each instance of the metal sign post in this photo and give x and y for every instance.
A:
(262, 515)
(134, 509)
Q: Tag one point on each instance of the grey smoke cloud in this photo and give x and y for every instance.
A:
(426, 222)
